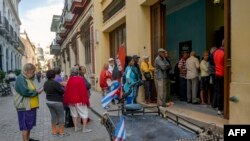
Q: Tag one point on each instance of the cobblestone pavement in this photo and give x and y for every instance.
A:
(9, 130)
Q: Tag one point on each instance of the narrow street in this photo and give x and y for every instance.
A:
(9, 130)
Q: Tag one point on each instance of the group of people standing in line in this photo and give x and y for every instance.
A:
(207, 75)
(199, 82)
(73, 93)
(145, 72)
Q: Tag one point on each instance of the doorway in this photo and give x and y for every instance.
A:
(204, 24)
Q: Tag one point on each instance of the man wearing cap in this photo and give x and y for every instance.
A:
(161, 67)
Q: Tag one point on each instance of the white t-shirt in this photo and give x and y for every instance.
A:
(111, 68)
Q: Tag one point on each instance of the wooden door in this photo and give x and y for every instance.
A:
(227, 49)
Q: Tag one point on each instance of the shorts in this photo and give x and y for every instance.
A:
(204, 83)
(26, 119)
(81, 110)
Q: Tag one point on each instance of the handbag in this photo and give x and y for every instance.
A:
(147, 75)
(20, 102)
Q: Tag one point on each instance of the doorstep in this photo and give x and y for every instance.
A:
(202, 115)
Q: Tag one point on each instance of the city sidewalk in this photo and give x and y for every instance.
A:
(9, 130)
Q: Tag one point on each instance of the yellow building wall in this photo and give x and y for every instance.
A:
(81, 50)
(136, 16)
(138, 33)
(240, 85)
(101, 43)
(72, 57)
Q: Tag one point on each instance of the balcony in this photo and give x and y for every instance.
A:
(78, 6)
(69, 19)
(63, 32)
(112, 8)
(6, 24)
(2, 28)
(58, 37)
(12, 35)
(55, 23)
(54, 48)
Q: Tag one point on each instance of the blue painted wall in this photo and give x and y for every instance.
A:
(188, 23)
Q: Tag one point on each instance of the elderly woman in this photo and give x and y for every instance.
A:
(26, 89)
(76, 97)
(54, 95)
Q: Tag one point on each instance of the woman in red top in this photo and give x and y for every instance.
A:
(76, 97)
(105, 76)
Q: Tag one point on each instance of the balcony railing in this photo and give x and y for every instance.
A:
(73, 2)
(16, 37)
(11, 31)
(54, 48)
(6, 24)
(1, 18)
(112, 8)
(68, 16)
(58, 37)
(78, 6)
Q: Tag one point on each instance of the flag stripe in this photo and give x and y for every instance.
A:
(108, 98)
(120, 132)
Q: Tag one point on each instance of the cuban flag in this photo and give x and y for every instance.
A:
(120, 132)
(113, 93)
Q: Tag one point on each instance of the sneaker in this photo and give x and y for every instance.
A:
(77, 129)
(107, 107)
(220, 112)
(86, 130)
(63, 135)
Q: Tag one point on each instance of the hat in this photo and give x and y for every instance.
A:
(161, 50)
(136, 56)
(111, 59)
(145, 57)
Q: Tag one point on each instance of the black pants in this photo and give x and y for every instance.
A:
(148, 88)
(219, 92)
(183, 89)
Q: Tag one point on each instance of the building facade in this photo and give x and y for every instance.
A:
(75, 36)
(10, 49)
(40, 58)
(48, 59)
(29, 53)
(143, 26)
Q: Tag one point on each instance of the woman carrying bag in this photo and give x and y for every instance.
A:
(147, 70)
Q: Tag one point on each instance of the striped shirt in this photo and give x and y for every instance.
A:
(182, 67)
